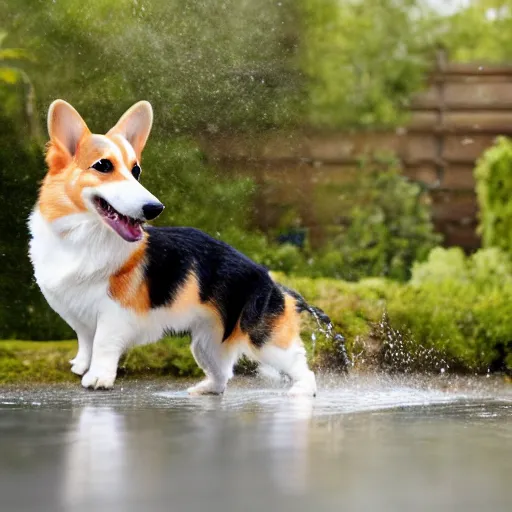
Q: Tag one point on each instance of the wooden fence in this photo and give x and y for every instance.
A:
(458, 116)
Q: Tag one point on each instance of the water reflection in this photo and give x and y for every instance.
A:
(288, 443)
(95, 456)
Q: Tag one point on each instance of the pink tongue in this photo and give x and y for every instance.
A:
(127, 231)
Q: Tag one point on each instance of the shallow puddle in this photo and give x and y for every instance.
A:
(364, 443)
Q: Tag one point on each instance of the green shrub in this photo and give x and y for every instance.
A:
(27, 362)
(494, 189)
(23, 362)
(442, 264)
(388, 227)
(195, 193)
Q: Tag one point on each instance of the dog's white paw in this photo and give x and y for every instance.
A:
(206, 387)
(99, 379)
(80, 366)
(304, 387)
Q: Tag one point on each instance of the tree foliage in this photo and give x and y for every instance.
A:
(204, 65)
(363, 59)
(13, 75)
(481, 31)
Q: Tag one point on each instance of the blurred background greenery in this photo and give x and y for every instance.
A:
(213, 67)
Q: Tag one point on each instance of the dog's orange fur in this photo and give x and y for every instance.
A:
(286, 327)
(128, 285)
(187, 296)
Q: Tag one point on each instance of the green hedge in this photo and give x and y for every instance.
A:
(454, 314)
(459, 307)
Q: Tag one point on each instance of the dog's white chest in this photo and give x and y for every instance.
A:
(74, 278)
(65, 285)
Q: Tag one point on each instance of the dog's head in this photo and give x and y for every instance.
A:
(98, 175)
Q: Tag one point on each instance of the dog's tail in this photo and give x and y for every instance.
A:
(324, 323)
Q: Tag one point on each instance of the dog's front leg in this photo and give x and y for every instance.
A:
(81, 362)
(110, 341)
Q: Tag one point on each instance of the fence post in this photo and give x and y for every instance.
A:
(441, 110)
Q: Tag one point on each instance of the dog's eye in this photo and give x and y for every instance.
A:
(136, 171)
(103, 165)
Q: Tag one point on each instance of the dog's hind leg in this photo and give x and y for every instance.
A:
(291, 360)
(215, 358)
(282, 347)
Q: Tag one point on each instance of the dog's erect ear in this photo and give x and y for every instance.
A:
(135, 125)
(65, 126)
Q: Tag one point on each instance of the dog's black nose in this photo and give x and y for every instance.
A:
(152, 210)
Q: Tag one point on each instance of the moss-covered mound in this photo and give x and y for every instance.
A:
(48, 361)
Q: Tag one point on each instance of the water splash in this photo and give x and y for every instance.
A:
(402, 353)
(326, 327)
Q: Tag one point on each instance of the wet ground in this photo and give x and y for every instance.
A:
(365, 443)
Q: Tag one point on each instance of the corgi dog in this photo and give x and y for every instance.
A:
(118, 282)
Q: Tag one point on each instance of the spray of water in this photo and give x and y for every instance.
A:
(401, 353)
(325, 327)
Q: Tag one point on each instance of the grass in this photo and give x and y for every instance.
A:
(33, 361)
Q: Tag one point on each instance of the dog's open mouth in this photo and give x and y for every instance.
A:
(128, 228)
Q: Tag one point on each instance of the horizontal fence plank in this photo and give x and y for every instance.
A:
(420, 148)
(438, 79)
(426, 174)
(412, 149)
(333, 148)
(451, 177)
(458, 177)
(339, 147)
(456, 149)
(462, 122)
(465, 148)
(466, 96)
(476, 69)
(453, 206)
(459, 235)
